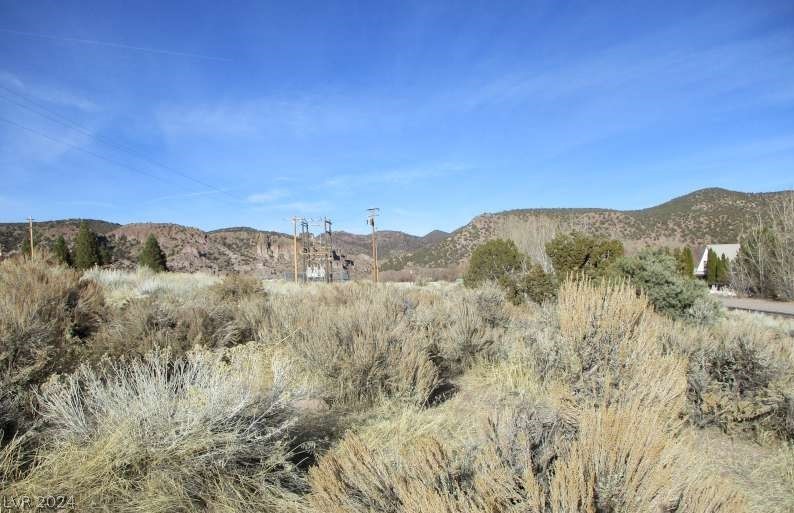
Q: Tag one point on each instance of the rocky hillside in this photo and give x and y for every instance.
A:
(390, 243)
(704, 216)
(187, 248)
(239, 249)
(12, 234)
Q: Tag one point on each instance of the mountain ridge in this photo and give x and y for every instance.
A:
(701, 216)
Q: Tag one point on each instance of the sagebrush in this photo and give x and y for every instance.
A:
(166, 392)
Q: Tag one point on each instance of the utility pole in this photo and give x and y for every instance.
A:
(329, 252)
(30, 229)
(306, 249)
(373, 213)
(295, 220)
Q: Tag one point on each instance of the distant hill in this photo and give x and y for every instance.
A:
(12, 234)
(705, 216)
(240, 249)
(390, 242)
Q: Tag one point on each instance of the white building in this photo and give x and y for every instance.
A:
(729, 250)
(315, 273)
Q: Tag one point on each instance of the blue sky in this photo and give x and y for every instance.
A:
(250, 113)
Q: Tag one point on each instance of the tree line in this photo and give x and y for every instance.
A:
(88, 251)
(764, 266)
(665, 276)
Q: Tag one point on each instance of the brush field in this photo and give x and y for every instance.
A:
(136, 392)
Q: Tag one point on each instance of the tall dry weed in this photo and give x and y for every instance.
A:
(606, 459)
(741, 379)
(196, 433)
(356, 351)
(45, 315)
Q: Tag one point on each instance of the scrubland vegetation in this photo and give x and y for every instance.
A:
(765, 264)
(147, 392)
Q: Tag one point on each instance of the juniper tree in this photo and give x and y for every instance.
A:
(61, 251)
(496, 260)
(658, 275)
(723, 271)
(152, 256)
(578, 252)
(25, 247)
(685, 261)
(105, 249)
(712, 266)
(86, 248)
(688, 262)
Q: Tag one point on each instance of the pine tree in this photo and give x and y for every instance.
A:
(712, 265)
(152, 256)
(61, 251)
(723, 271)
(86, 248)
(685, 261)
(680, 260)
(105, 250)
(688, 262)
(25, 247)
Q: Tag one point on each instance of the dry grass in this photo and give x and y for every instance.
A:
(162, 434)
(618, 448)
(235, 395)
(45, 315)
(742, 379)
(121, 286)
(607, 459)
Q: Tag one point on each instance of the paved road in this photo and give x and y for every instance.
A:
(758, 305)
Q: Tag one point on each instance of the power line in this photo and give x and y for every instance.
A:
(57, 118)
(79, 148)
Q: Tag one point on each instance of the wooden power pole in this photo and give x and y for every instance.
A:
(30, 229)
(295, 220)
(329, 251)
(373, 213)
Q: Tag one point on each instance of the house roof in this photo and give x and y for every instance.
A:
(697, 253)
(700, 252)
(729, 250)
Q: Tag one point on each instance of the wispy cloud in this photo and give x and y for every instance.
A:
(301, 116)
(267, 196)
(627, 88)
(404, 212)
(187, 195)
(10, 80)
(47, 93)
(401, 176)
(24, 149)
(744, 155)
(109, 44)
(64, 97)
(304, 207)
(79, 203)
